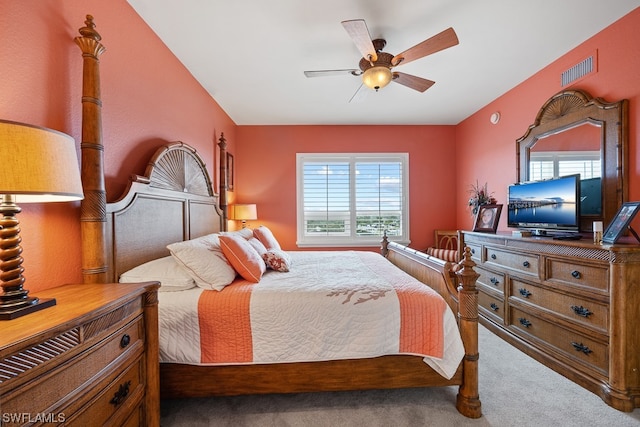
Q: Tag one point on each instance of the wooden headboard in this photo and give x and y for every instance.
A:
(173, 200)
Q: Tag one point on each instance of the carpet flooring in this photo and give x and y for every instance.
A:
(515, 390)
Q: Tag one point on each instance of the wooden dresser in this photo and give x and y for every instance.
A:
(572, 305)
(90, 360)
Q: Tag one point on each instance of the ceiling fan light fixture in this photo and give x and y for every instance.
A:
(377, 77)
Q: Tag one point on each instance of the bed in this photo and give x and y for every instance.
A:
(174, 201)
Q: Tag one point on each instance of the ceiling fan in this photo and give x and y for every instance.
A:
(376, 66)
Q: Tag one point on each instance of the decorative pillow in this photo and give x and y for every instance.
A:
(204, 261)
(450, 255)
(277, 260)
(265, 236)
(257, 245)
(167, 271)
(244, 259)
(245, 233)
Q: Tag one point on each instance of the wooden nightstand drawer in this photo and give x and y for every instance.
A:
(581, 310)
(572, 273)
(587, 351)
(113, 404)
(66, 385)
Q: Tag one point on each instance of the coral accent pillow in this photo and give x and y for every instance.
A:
(204, 261)
(265, 236)
(277, 260)
(244, 259)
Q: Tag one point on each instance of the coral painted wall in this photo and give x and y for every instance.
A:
(149, 99)
(481, 144)
(266, 170)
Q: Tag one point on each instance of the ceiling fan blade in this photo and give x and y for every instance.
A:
(361, 94)
(413, 82)
(359, 33)
(441, 41)
(326, 73)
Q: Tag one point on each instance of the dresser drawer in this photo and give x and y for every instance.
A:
(589, 352)
(522, 263)
(490, 280)
(491, 306)
(115, 403)
(59, 387)
(580, 310)
(589, 276)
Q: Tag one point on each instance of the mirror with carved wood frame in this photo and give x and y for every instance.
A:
(570, 125)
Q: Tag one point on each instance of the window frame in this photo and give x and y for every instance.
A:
(351, 240)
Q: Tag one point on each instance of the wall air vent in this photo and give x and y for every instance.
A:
(578, 71)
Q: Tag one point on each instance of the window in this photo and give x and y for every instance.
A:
(352, 199)
(546, 165)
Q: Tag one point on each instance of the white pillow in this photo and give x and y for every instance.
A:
(204, 261)
(167, 271)
(245, 233)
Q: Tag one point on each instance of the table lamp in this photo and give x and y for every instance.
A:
(38, 165)
(244, 213)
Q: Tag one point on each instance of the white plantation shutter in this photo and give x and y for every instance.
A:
(352, 199)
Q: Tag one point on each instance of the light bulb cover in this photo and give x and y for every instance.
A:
(377, 77)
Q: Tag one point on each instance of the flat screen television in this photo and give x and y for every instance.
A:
(546, 206)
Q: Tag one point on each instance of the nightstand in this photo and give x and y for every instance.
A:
(90, 360)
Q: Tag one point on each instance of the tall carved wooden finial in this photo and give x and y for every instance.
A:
(93, 209)
(89, 30)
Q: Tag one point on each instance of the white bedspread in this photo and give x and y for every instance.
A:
(290, 326)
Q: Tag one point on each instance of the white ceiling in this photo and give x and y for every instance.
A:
(250, 55)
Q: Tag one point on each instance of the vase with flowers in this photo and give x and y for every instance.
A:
(480, 196)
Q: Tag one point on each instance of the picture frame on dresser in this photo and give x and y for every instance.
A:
(621, 222)
(487, 218)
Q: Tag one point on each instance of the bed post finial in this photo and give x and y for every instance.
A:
(223, 179)
(90, 29)
(93, 209)
(384, 244)
(468, 400)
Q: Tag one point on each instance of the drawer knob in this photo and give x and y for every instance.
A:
(525, 293)
(125, 340)
(581, 311)
(524, 322)
(473, 251)
(581, 347)
(526, 264)
(494, 306)
(120, 395)
(493, 256)
(494, 281)
(576, 274)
